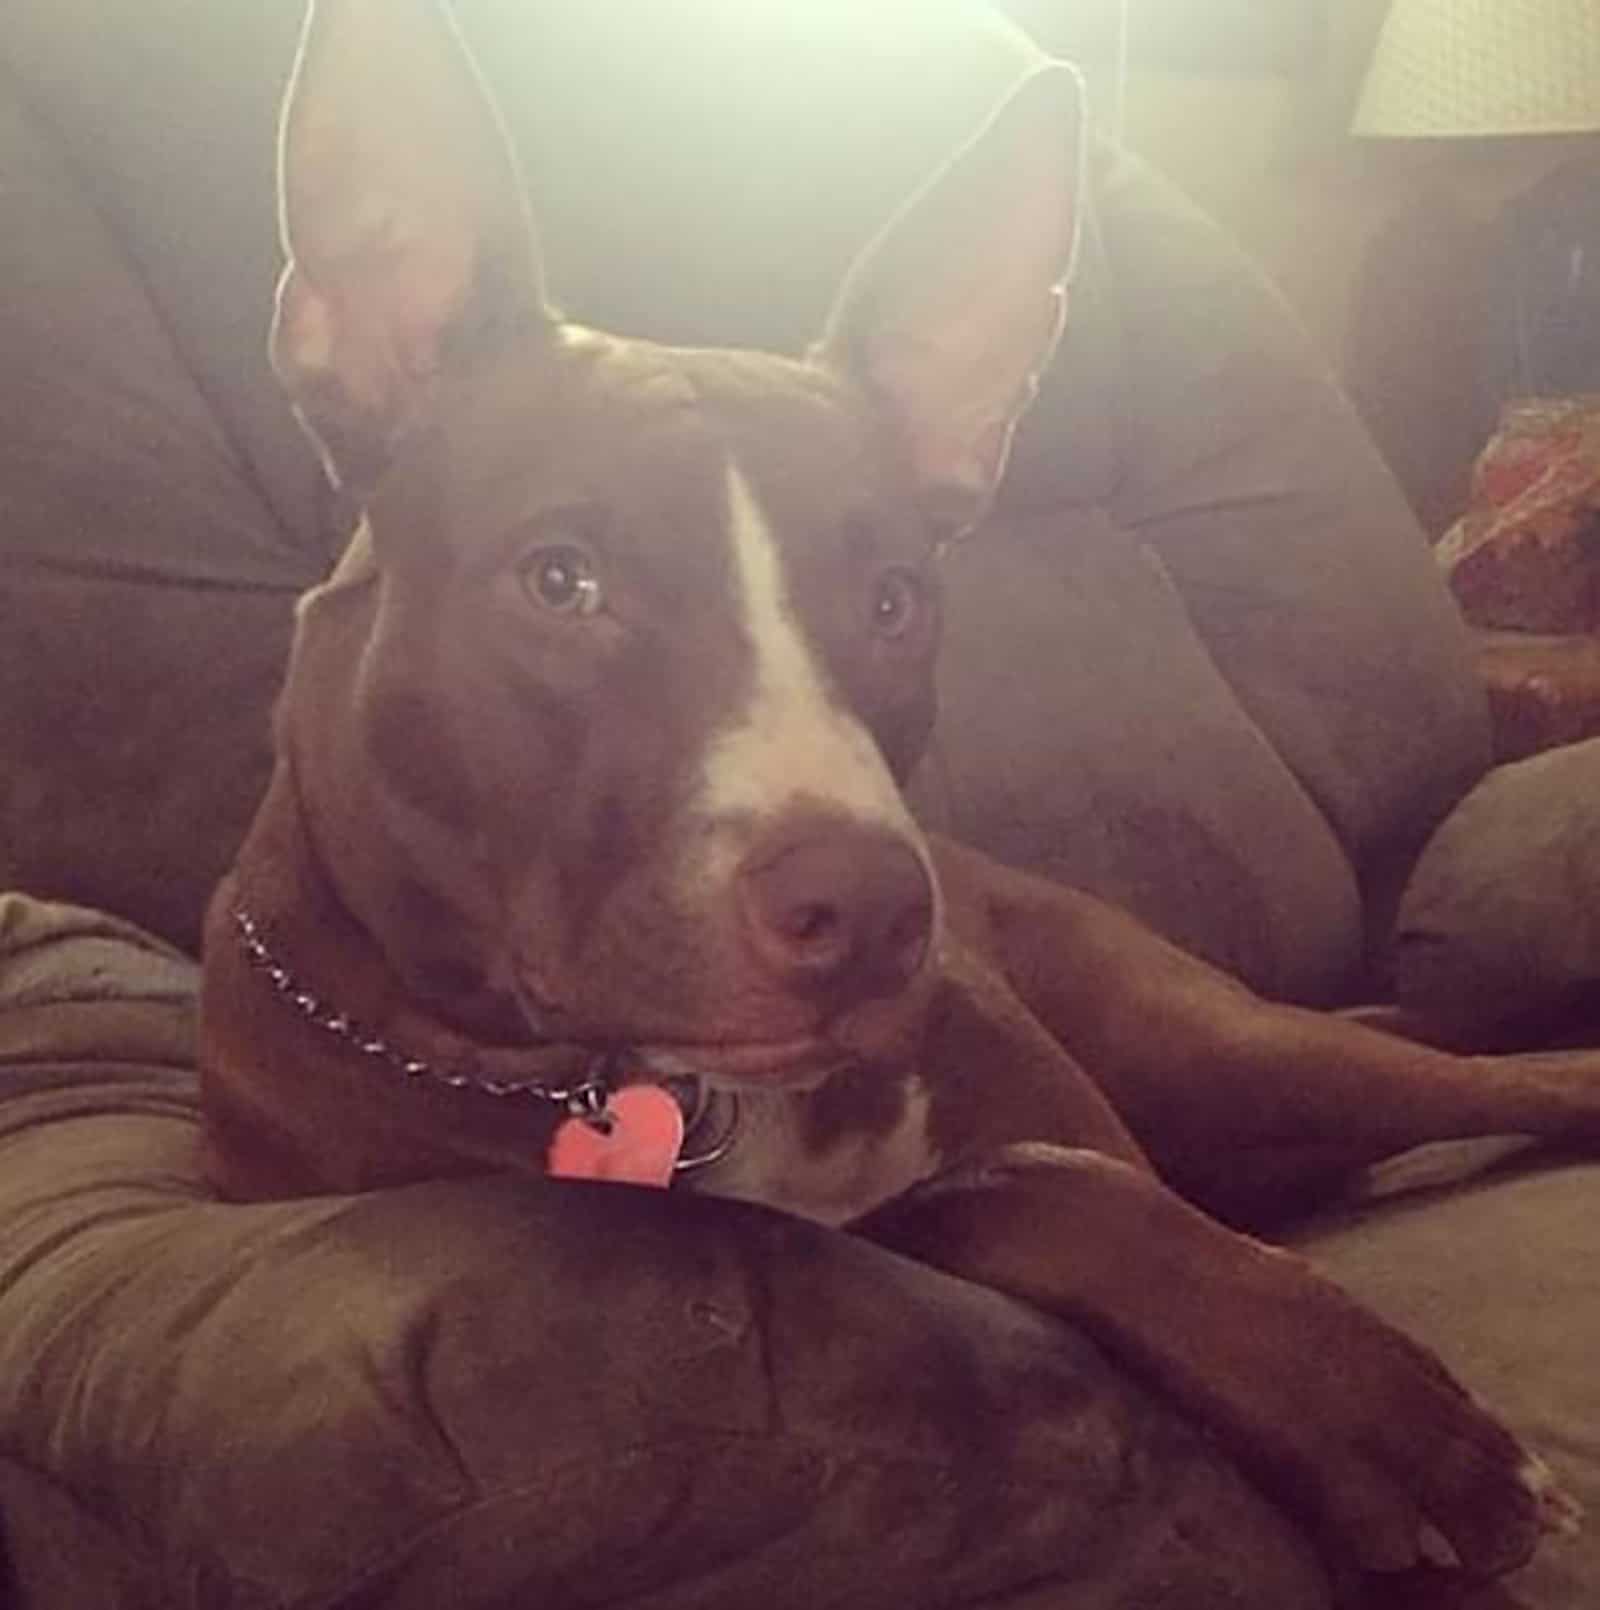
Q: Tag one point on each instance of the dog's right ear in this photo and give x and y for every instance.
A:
(404, 222)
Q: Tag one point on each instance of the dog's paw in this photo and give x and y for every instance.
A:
(1347, 1423)
(1365, 1432)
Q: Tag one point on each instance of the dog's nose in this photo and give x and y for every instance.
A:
(841, 913)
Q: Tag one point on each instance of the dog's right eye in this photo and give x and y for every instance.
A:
(562, 579)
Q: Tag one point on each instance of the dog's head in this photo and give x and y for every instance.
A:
(600, 721)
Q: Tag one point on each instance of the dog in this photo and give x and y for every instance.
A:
(585, 852)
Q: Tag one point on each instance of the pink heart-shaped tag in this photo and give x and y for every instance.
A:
(641, 1147)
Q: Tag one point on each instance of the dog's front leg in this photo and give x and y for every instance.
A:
(1337, 1416)
(1044, 1195)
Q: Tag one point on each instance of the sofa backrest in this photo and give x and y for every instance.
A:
(1198, 662)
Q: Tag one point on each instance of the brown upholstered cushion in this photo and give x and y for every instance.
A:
(1296, 557)
(145, 581)
(1086, 733)
(1500, 922)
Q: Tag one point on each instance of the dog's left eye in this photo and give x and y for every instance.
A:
(562, 579)
(896, 603)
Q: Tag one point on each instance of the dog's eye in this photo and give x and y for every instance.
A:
(562, 579)
(897, 602)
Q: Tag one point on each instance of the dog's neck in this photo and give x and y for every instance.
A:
(299, 936)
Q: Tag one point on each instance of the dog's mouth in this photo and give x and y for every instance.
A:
(790, 1050)
(792, 1060)
(799, 1063)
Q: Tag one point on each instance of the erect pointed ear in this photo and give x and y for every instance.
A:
(403, 218)
(949, 316)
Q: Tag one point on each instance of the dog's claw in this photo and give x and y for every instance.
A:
(1436, 1549)
(1560, 1514)
(1485, 1501)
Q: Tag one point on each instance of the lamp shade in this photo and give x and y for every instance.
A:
(1471, 68)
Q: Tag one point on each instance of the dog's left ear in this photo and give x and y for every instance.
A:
(950, 315)
(403, 216)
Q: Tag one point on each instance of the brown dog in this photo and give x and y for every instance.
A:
(585, 824)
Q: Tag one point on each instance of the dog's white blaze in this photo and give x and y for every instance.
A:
(790, 739)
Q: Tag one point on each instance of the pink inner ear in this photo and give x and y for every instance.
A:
(959, 395)
(402, 212)
(372, 319)
(302, 332)
(952, 314)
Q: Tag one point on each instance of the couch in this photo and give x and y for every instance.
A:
(1198, 661)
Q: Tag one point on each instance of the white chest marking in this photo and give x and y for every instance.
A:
(772, 1164)
(790, 740)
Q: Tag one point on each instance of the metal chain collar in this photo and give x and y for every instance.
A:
(588, 1099)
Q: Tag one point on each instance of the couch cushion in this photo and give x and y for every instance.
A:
(145, 582)
(1084, 732)
(134, 736)
(1290, 543)
(1499, 923)
(183, 203)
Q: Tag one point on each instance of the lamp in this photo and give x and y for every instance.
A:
(1475, 68)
